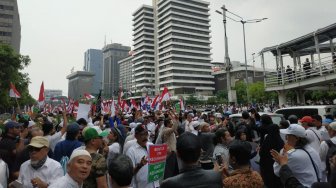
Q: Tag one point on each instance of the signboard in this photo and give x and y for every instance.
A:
(83, 111)
(157, 161)
(178, 108)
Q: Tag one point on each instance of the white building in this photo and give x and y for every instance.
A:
(180, 43)
(143, 57)
(125, 72)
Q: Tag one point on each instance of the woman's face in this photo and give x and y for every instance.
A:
(243, 136)
(291, 140)
(227, 137)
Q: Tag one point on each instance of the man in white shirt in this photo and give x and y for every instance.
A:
(78, 167)
(325, 147)
(188, 127)
(40, 171)
(52, 136)
(312, 134)
(138, 153)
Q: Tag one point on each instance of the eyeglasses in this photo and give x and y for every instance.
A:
(31, 149)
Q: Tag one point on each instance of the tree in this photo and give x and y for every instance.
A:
(192, 100)
(241, 92)
(258, 94)
(11, 64)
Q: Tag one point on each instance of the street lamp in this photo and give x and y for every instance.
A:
(231, 99)
(243, 22)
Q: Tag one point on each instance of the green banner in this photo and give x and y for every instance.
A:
(156, 171)
(178, 108)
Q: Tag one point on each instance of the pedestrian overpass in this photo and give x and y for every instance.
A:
(321, 74)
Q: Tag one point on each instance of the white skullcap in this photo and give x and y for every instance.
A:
(31, 123)
(79, 152)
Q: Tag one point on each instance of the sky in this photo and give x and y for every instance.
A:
(55, 34)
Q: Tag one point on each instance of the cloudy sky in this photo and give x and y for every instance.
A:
(55, 34)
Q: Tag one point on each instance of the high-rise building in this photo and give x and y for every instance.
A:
(143, 59)
(10, 27)
(125, 69)
(93, 62)
(112, 53)
(181, 42)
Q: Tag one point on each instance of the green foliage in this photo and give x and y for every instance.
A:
(11, 64)
(258, 94)
(240, 88)
(192, 100)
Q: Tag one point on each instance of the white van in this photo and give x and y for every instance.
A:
(301, 111)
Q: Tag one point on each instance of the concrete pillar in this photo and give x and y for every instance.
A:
(332, 48)
(318, 51)
(263, 66)
(279, 57)
(295, 67)
(312, 60)
(282, 97)
(300, 97)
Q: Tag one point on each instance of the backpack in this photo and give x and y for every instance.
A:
(330, 153)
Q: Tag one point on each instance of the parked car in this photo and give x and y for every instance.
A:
(276, 118)
(301, 111)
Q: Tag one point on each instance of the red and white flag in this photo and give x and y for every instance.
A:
(41, 95)
(13, 92)
(134, 104)
(155, 101)
(88, 96)
(165, 95)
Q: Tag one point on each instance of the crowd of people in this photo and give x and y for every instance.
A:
(204, 150)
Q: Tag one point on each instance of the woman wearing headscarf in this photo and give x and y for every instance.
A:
(272, 141)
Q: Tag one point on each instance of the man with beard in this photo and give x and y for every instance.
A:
(40, 171)
(79, 167)
(138, 154)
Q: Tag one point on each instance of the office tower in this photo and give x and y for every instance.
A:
(181, 42)
(93, 62)
(143, 42)
(10, 27)
(112, 53)
(125, 69)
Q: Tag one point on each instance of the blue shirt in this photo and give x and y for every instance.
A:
(65, 148)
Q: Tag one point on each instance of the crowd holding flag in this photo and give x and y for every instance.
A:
(13, 92)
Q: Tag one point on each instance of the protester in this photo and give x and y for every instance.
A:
(328, 146)
(242, 175)
(221, 141)
(312, 134)
(138, 154)
(78, 169)
(272, 141)
(65, 147)
(12, 144)
(40, 171)
(93, 143)
(303, 160)
(120, 169)
(51, 134)
(167, 136)
(191, 174)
